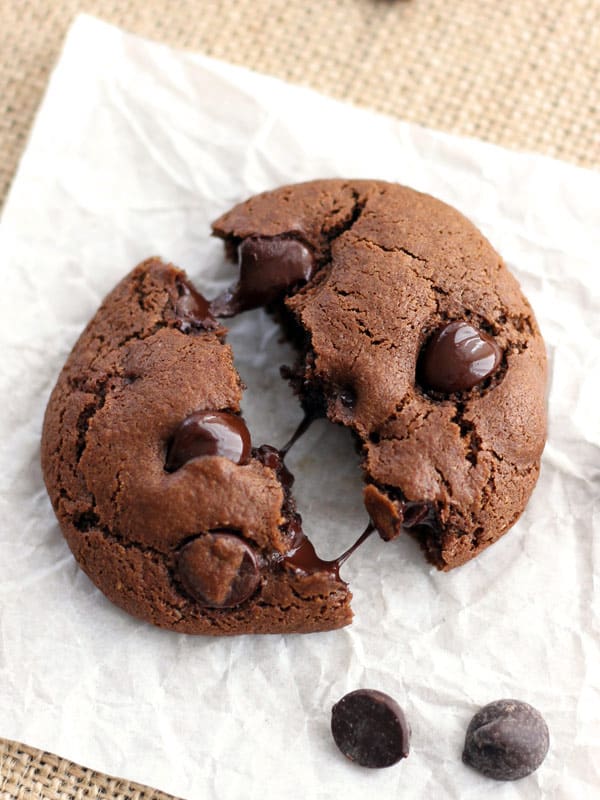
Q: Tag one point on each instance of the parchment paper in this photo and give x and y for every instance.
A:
(135, 150)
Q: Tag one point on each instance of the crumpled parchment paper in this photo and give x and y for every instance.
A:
(135, 150)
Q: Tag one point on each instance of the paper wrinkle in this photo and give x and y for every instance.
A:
(135, 150)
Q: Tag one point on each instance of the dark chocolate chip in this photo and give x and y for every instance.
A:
(192, 309)
(506, 740)
(369, 728)
(209, 433)
(457, 357)
(268, 266)
(218, 570)
(347, 397)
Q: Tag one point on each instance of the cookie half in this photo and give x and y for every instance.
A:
(412, 333)
(149, 466)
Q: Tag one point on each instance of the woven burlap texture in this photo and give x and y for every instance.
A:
(520, 73)
(29, 774)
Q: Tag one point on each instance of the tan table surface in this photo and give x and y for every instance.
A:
(521, 73)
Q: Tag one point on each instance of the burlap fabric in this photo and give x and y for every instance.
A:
(29, 774)
(520, 73)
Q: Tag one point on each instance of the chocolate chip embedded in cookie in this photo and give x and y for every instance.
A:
(268, 267)
(152, 475)
(413, 334)
(209, 433)
(219, 570)
(457, 358)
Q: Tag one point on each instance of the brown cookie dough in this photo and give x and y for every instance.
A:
(414, 334)
(151, 473)
(411, 332)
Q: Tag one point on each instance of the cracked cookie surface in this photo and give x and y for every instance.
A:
(394, 267)
(149, 465)
(195, 544)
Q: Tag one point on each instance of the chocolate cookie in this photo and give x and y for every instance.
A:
(412, 333)
(158, 491)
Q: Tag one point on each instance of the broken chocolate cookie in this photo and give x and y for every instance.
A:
(158, 491)
(412, 333)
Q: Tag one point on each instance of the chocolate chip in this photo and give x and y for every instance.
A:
(457, 357)
(218, 570)
(506, 740)
(192, 309)
(369, 728)
(209, 433)
(347, 397)
(268, 266)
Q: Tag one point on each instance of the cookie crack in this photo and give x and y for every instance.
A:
(345, 225)
(396, 249)
(468, 433)
(86, 415)
(443, 480)
(339, 229)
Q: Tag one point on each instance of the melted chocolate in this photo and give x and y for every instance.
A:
(268, 267)
(219, 570)
(209, 433)
(273, 458)
(418, 514)
(304, 558)
(370, 728)
(458, 357)
(192, 309)
(304, 425)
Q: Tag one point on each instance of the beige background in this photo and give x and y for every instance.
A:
(520, 73)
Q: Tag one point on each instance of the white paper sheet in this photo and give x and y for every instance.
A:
(135, 150)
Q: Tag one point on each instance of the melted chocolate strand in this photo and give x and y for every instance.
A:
(362, 538)
(192, 309)
(304, 425)
(303, 557)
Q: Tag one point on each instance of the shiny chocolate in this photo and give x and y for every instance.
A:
(268, 267)
(458, 357)
(192, 309)
(303, 557)
(209, 433)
